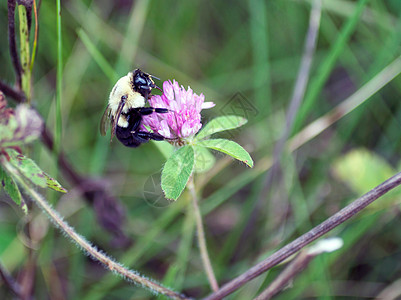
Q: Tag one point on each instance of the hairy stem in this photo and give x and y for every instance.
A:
(201, 238)
(316, 232)
(82, 243)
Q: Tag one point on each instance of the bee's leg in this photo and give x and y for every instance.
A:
(148, 110)
(134, 121)
(162, 110)
(149, 136)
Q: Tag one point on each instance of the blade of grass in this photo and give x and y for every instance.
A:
(348, 105)
(107, 69)
(291, 113)
(231, 242)
(130, 43)
(328, 64)
(35, 41)
(386, 51)
(345, 8)
(58, 129)
(101, 147)
(176, 274)
(260, 53)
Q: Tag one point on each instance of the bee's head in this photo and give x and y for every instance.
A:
(142, 83)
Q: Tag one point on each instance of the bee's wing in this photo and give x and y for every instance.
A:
(105, 121)
(115, 118)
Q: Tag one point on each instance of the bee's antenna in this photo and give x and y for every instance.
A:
(155, 77)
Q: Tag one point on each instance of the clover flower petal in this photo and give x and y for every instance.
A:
(184, 119)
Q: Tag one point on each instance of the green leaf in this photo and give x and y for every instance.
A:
(102, 62)
(204, 160)
(221, 124)
(362, 170)
(29, 169)
(228, 147)
(54, 184)
(11, 188)
(176, 172)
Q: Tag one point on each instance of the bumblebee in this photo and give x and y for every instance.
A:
(126, 107)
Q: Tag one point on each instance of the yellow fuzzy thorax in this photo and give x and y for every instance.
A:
(123, 87)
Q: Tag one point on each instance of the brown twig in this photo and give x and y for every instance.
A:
(297, 265)
(12, 92)
(296, 245)
(300, 262)
(26, 277)
(9, 281)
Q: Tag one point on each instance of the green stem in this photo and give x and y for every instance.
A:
(82, 243)
(201, 238)
(24, 50)
(58, 130)
(35, 40)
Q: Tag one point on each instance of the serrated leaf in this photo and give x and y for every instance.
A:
(204, 160)
(27, 167)
(30, 170)
(176, 172)
(54, 184)
(228, 147)
(24, 126)
(12, 189)
(221, 124)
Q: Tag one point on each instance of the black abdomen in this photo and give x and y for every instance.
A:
(131, 136)
(125, 136)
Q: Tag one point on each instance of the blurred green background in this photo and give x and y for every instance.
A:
(244, 56)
